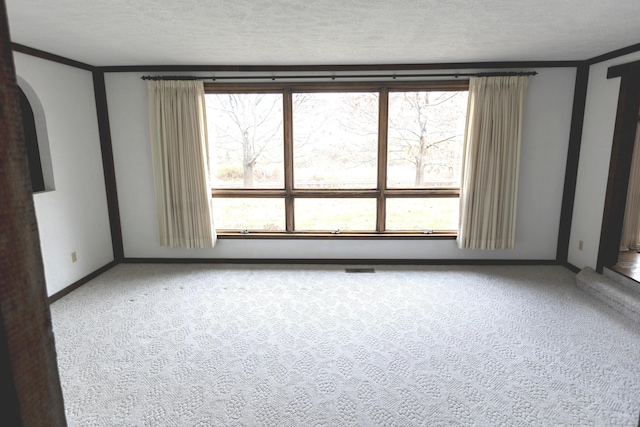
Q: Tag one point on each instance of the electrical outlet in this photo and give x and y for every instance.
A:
(74, 256)
(580, 245)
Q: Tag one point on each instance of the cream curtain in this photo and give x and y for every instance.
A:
(631, 225)
(490, 162)
(179, 150)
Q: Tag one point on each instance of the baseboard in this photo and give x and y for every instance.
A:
(571, 267)
(339, 261)
(76, 285)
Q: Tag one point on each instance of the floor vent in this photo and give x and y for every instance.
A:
(359, 270)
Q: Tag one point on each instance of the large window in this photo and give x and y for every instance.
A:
(357, 159)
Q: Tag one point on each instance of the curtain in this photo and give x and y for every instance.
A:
(179, 150)
(631, 225)
(490, 162)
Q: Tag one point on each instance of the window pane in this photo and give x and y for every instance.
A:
(426, 132)
(335, 214)
(246, 140)
(422, 214)
(335, 140)
(249, 214)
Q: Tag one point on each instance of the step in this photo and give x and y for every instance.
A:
(610, 292)
(622, 279)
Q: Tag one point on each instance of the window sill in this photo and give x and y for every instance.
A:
(339, 236)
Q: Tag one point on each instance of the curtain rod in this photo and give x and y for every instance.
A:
(346, 76)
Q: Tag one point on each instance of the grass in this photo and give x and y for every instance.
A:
(416, 214)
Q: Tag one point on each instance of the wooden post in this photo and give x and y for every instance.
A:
(29, 383)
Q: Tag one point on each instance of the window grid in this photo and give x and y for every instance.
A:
(381, 193)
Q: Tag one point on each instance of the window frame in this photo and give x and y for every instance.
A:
(381, 193)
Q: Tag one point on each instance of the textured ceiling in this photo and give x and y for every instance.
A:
(301, 32)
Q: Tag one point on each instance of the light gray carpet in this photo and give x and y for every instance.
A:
(219, 345)
(614, 293)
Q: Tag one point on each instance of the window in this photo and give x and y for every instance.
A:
(348, 159)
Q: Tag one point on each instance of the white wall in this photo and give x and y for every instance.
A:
(73, 217)
(544, 150)
(593, 167)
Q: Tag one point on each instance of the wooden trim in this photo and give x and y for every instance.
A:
(614, 54)
(26, 342)
(108, 164)
(72, 287)
(331, 235)
(333, 86)
(619, 169)
(422, 192)
(573, 157)
(248, 192)
(334, 193)
(341, 86)
(383, 131)
(623, 69)
(51, 57)
(345, 68)
(10, 404)
(289, 193)
(570, 267)
(337, 193)
(289, 202)
(338, 261)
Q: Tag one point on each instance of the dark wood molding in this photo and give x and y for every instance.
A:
(623, 69)
(34, 396)
(336, 193)
(10, 403)
(337, 261)
(338, 68)
(573, 157)
(289, 202)
(55, 297)
(383, 146)
(50, 57)
(344, 235)
(108, 164)
(570, 267)
(614, 54)
(337, 86)
(16, 47)
(619, 169)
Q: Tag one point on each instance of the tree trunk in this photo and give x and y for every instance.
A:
(422, 151)
(248, 175)
(247, 159)
(419, 172)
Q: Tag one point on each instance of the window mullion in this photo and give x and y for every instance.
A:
(383, 121)
(288, 159)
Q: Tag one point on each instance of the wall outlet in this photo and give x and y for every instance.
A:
(74, 256)
(580, 245)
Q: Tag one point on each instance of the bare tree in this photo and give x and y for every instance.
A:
(415, 136)
(248, 127)
(422, 126)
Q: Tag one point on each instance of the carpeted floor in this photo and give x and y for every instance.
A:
(220, 345)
